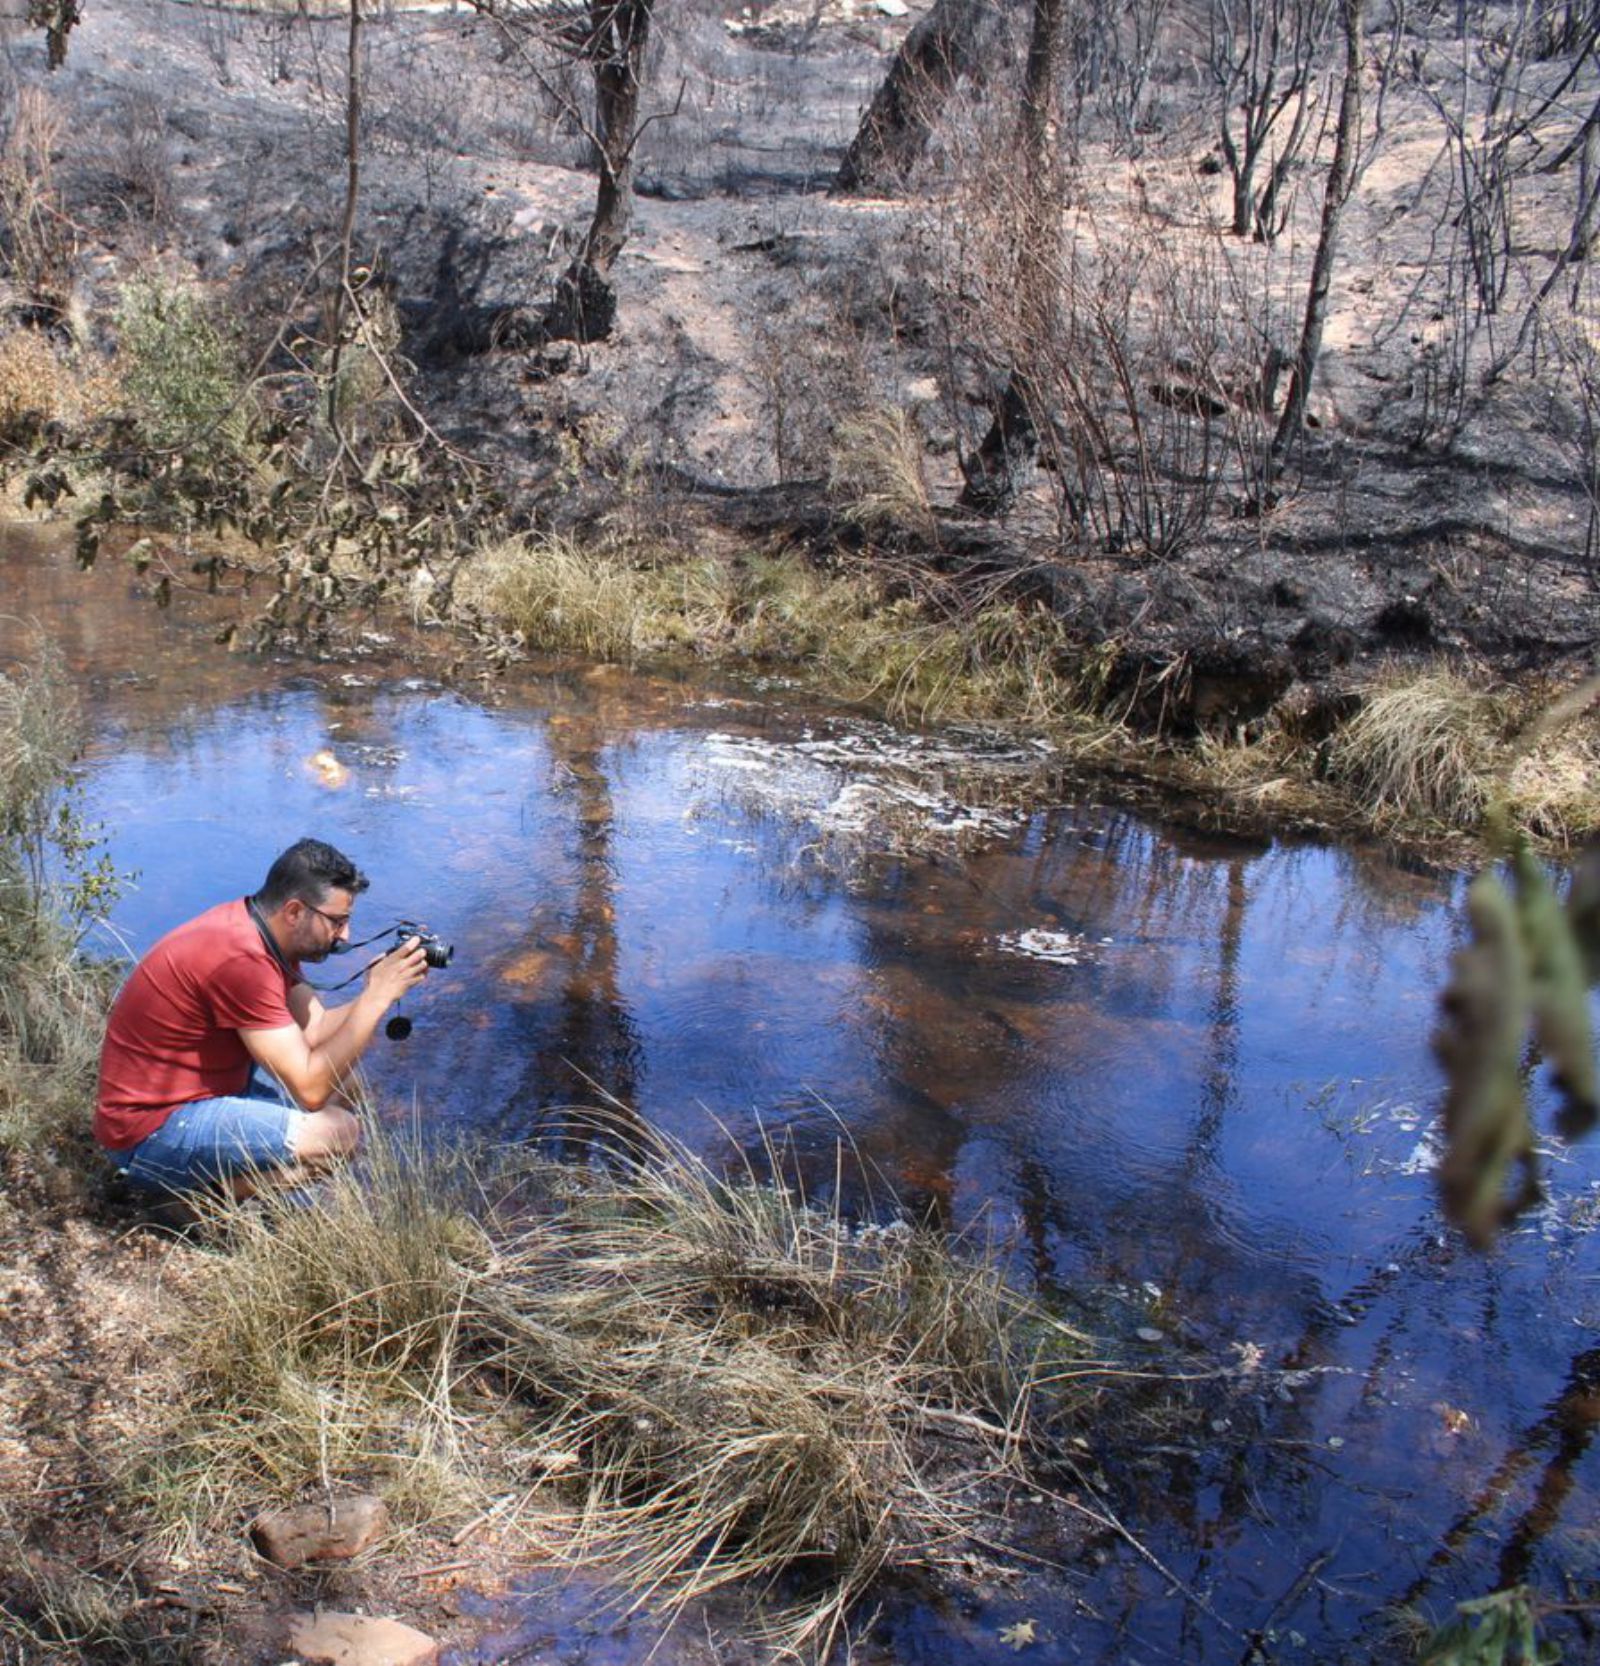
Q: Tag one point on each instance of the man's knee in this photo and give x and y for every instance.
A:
(326, 1136)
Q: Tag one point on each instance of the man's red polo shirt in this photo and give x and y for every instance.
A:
(173, 1034)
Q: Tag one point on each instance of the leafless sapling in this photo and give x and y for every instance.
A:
(1263, 56)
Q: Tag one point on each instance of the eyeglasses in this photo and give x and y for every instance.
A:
(337, 921)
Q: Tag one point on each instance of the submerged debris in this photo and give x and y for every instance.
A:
(1062, 948)
(865, 786)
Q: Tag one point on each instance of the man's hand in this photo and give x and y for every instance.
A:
(400, 970)
(314, 1061)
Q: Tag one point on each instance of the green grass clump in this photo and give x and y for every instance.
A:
(706, 1381)
(917, 651)
(562, 595)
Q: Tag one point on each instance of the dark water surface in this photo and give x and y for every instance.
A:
(1213, 1105)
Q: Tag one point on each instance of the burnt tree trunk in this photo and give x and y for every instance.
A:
(1341, 181)
(58, 18)
(610, 36)
(996, 472)
(585, 303)
(942, 48)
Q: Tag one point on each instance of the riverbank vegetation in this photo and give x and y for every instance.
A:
(52, 1000)
(693, 1381)
(1105, 390)
(1423, 752)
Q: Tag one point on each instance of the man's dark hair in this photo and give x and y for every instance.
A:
(309, 869)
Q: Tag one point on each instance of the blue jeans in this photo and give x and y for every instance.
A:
(212, 1140)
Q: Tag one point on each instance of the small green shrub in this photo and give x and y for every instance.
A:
(181, 372)
(52, 1002)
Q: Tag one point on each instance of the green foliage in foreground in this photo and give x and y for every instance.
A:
(706, 1380)
(52, 889)
(1497, 1630)
(1527, 968)
(1525, 971)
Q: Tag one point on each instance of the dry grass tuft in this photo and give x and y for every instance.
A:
(760, 1391)
(40, 241)
(875, 470)
(52, 1611)
(1555, 791)
(323, 1342)
(35, 386)
(1424, 744)
(729, 1384)
(1553, 788)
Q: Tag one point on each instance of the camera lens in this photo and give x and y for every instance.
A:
(437, 952)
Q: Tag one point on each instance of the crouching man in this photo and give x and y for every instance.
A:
(221, 1068)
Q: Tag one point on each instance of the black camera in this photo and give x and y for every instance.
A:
(435, 951)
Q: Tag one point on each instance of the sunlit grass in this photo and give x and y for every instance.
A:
(562, 595)
(694, 1381)
(1431, 745)
(911, 648)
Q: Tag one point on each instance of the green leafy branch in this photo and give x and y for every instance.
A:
(1492, 1631)
(1522, 977)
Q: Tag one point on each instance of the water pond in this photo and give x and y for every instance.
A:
(1191, 1076)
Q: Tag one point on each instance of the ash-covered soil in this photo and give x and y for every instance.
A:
(1426, 510)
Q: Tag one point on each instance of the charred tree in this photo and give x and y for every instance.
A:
(1342, 176)
(585, 304)
(610, 36)
(945, 45)
(58, 18)
(997, 471)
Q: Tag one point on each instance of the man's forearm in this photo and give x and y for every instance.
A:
(340, 1045)
(329, 1022)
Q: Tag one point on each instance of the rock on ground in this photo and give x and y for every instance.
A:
(332, 1639)
(320, 1532)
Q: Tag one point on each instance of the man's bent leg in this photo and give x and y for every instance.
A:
(235, 1143)
(319, 1139)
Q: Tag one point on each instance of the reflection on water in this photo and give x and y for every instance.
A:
(1207, 1100)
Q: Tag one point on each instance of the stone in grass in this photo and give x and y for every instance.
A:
(319, 1532)
(331, 1639)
